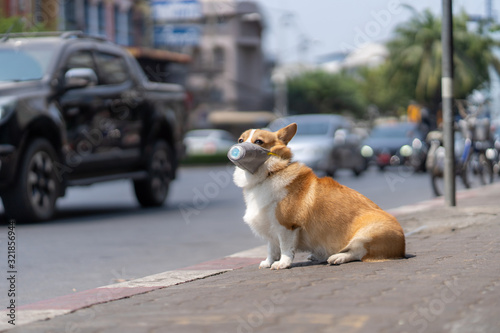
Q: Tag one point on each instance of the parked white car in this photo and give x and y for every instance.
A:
(208, 142)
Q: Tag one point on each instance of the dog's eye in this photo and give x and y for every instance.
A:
(240, 140)
(259, 142)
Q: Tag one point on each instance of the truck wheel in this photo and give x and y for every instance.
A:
(33, 196)
(152, 191)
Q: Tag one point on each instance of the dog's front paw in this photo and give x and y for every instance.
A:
(282, 264)
(265, 264)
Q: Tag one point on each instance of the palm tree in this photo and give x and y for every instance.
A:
(414, 63)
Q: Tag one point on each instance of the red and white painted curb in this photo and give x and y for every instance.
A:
(51, 308)
(48, 309)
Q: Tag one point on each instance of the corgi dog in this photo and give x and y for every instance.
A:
(294, 210)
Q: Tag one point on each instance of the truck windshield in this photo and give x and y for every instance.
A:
(24, 64)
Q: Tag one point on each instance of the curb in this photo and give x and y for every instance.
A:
(58, 306)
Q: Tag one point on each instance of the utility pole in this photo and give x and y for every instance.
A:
(489, 11)
(280, 93)
(447, 97)
(279, 77)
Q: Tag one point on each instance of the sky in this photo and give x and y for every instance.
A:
(329, 26)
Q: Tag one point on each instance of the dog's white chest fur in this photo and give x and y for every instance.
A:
(262, 195)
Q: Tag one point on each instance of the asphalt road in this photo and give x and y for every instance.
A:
(101, 236)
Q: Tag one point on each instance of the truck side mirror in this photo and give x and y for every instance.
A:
(79, 78)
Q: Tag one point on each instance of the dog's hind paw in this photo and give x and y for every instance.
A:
(339, 258)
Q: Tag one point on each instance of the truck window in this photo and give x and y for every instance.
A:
(80, 59)
(112, 68)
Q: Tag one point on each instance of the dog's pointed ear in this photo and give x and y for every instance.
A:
(286, 133)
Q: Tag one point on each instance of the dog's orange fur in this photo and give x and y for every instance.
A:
(331, 218)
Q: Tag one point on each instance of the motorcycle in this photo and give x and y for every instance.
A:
(474, 153)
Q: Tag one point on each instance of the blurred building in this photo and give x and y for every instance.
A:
(35, 12)
(121, 21)
(224, 38)
(228, 66)
(125, 22)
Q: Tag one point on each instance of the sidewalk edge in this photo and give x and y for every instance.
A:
(58, 306)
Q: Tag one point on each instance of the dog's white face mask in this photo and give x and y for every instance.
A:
(248, 156)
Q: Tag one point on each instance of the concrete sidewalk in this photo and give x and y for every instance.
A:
(450, 282)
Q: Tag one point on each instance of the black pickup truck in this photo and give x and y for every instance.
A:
(76, 110)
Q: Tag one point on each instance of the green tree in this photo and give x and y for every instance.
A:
(18, 24)
(322, 92)
(414, 65)
(376, 91)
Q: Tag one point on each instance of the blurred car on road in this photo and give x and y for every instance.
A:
(396, 144)
(208, 142)
(76, 110)
(324, 142)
